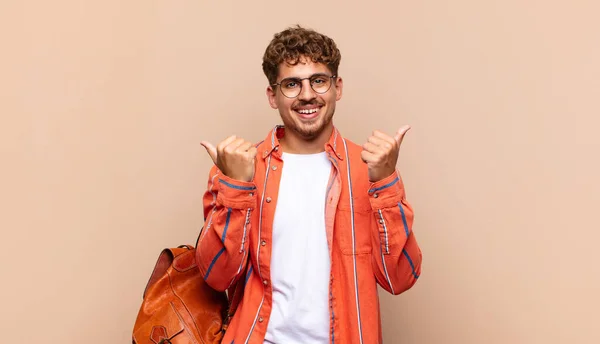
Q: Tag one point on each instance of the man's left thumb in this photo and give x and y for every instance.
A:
(400, 134)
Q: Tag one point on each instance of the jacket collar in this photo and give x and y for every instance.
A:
(271, 145)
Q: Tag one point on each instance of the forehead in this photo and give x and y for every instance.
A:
(303, 69)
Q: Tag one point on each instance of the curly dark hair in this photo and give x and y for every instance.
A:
(296, 42)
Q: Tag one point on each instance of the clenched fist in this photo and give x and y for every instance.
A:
(234, 157)
(380, 153)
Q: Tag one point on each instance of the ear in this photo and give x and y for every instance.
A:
(271, 96)
(339, 86)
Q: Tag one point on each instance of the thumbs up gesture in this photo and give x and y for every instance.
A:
(380, 153)
(234, 157)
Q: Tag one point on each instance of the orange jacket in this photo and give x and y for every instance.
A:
(369, 231)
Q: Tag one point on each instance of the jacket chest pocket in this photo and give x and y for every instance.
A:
(353, 228)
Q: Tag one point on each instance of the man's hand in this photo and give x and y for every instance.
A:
(234, 157)
(380, 153)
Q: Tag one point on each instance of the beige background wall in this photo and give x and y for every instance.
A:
(104, 104)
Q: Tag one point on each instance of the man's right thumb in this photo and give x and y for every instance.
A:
(211, 150)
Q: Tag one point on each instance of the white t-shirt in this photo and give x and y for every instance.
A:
(300, 263)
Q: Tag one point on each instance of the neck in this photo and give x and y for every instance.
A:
(295, 144)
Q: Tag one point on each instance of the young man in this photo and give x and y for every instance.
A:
(308, 220)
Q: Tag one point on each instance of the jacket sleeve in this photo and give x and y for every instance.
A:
(222, 248)
(396, 254)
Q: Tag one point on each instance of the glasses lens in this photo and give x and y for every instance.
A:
(320, 83)
(291, 87)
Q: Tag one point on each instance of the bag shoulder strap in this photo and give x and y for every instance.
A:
(237, 290)
(236, 296)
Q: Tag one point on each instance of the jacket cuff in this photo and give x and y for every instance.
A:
(387, 192)
(236, 194)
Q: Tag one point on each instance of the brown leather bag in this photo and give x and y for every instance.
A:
(179, 307)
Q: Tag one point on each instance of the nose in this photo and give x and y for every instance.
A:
(306, 93)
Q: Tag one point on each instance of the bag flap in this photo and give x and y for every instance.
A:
(166, 259)
(162, 264)
(164, 324)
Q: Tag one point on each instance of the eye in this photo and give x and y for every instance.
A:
(289, 83)
(319, 80)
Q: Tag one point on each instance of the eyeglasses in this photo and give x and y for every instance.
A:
(292, 87)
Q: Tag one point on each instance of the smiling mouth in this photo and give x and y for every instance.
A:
(308, 113)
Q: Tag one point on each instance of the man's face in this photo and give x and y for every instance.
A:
(309, 113)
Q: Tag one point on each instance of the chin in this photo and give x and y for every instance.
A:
(309, 126)
(311, 131)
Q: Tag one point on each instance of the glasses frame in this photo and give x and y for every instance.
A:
(302, 84)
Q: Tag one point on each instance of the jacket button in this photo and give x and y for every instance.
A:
(380, 221)
(274, 168)
(375, 195)
(268, 199)
(263, 243)
(261, 319)
(265, 282)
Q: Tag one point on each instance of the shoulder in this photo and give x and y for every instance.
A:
(353, 147)
(351, 153)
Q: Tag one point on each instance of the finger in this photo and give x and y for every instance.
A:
(210, 149)
(400, 134)
(225, 143)
(252, 152)
(233, 146)
(380, 142)
(368, 157)
(244, 146)
(371, 148)
(383, 136)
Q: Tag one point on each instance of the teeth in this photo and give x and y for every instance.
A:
(308, 111)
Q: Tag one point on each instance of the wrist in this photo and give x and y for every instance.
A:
(237, 177)
(382, 175)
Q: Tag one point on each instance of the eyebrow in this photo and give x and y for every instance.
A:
(310, 76)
